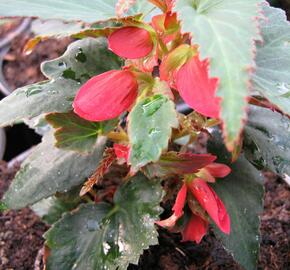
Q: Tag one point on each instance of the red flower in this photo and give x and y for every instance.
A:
(131, 42)
(106, 96)
(195, 229)
(197, 89)
(167, 26)
(177, 208)
(209, 200)
(213, 170)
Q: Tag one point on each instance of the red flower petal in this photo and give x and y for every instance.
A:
(177, 209)
(209, 200)
(218, 170)
(106, 96)
(131, 42)
(195, 229)
(169, 222)
(121, 151)
(180, 201)
(197, 89)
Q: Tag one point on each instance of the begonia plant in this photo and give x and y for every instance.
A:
(134, 92)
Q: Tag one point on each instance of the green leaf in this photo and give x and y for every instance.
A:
(52, 208)
(56, 28)
(3, 206)
(225, 30)
(87, 11)
(75, 133)
(272, 77)
(49, 170)
(102, 236)
(150, 126)
(242, 193)
(82, 60)
(266, 140)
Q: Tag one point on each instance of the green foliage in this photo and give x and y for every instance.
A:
(266, 142)
(242, 193)
(3, 206)
(49, 170)
(52, 208)
(87, 11)
(150, 125)
(55, 28)
(111, 236)
(225, 31)
(107, 237)
(272, 77)
(82, 60)
(75, 133)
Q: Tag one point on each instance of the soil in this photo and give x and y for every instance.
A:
(21, 231)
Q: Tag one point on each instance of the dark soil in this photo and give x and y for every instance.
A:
(21, 69)
(21, 231)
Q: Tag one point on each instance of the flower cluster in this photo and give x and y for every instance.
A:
(159, 49)
(200, 197)
(195, 191)
(160, 45)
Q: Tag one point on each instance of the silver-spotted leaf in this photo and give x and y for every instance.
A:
(49, 170)
(150, 126)
(82, 60)
(102, 236)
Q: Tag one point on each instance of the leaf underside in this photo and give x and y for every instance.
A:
(225, 30)
(102, 236)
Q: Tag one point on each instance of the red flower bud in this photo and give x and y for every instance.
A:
(197, 89)
(131, 42)
(106, 96)
(218, 170)
(195, 229)
(209, 200)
